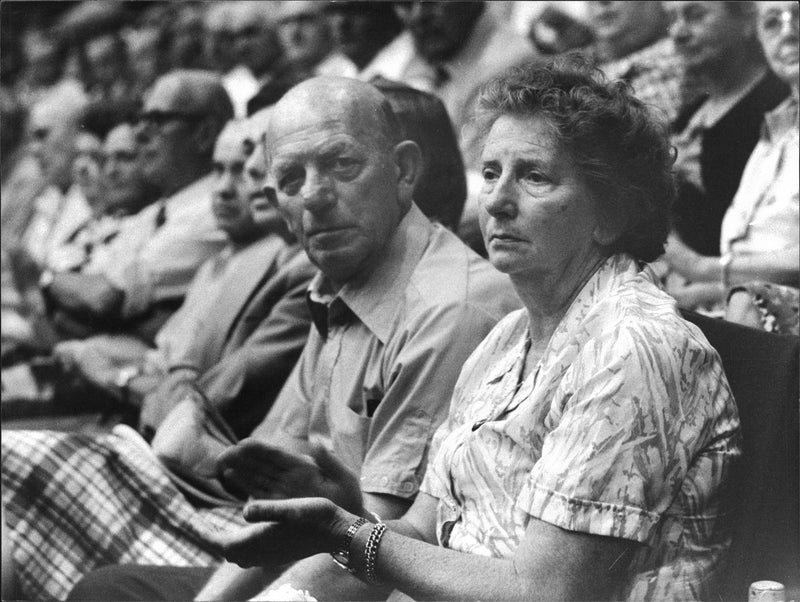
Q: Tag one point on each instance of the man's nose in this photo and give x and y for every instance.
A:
(317, 191)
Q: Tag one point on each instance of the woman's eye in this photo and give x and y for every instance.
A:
(535, 177)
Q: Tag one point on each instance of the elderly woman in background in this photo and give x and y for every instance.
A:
(716, 133)
(591, 436)
(760, 240)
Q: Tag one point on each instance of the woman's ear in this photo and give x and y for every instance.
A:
(612, 220)
(408, 159)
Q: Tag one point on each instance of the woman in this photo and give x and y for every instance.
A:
(716, 133)
(760, 242)
(591, 435)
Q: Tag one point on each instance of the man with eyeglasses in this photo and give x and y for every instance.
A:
(158, 251)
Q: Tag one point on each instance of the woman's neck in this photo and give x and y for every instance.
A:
(548, 297)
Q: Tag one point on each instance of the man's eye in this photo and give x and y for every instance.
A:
(489, 175)
(290, 182)
(218, 169)
(346, 166)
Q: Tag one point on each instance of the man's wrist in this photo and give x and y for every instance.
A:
(46, 279)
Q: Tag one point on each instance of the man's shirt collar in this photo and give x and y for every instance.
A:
(377, 300)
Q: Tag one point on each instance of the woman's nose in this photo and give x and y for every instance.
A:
(502, 198)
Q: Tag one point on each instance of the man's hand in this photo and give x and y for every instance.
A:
(161, 401)
(285, 531)
(264, 471)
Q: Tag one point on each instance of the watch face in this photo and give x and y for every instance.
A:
(341, 558)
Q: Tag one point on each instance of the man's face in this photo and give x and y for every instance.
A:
(165, 133)
(265, 215)
(336, 184)
(231, 202)
(87, 168)
(52, 143)
(704, 33)
(103, 57)
(359, 34)
(305, 38)
(127, 189)
(440, 29)
(255, 45)
(628, 24)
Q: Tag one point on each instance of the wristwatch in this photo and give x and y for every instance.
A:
(342, 554)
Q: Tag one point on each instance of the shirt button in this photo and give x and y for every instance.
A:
(384, 480)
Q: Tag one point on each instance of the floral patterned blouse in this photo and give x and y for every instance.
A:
(626, 428)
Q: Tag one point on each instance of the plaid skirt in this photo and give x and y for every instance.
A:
(76, 502)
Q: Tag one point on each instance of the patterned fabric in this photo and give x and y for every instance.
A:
(655, 73)
(778, 306)
(75, 502)
(626, 428)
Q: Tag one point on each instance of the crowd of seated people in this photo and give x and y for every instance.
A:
(309, 249)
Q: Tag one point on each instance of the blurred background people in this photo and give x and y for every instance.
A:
(759, 250)
(716, 133)
(631, 44)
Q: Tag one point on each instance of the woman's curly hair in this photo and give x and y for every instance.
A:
(619, 145)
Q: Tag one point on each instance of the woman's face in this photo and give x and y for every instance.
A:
(537, 216)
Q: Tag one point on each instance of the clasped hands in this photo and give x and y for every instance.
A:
(301, 504)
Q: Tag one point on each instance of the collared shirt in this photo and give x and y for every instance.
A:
(375, 378)
(158, 251)
(765, 213)
(626, 428)
(90, 238)
(55, 217)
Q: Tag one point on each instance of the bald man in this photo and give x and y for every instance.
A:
(159, 250)
(389, 306)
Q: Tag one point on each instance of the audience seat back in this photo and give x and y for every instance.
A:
(763, 370)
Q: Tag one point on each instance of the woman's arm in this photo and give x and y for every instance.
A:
(779, 267)
(550, 563)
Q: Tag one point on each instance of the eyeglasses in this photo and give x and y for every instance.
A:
(773, 22)
(158, 119)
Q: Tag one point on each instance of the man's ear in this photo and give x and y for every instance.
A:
(408, 159)
(205, 135)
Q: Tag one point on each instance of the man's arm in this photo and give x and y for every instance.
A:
(86, 294)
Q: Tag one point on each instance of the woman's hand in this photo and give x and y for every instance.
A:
(264, 471)
(286, 531)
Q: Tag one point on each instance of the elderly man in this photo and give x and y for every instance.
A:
(157, 253)
(389, 307)
(53, 126)
(308, 50)
(243, 323)
(246, 34)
